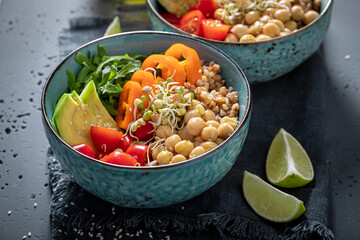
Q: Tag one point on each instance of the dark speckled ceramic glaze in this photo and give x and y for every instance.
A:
(267, 60)
(148, 187)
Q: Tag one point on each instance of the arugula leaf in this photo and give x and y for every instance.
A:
(73, 85)
(84, 60)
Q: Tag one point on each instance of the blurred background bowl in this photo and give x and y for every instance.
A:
(266, 60)
(147, 187)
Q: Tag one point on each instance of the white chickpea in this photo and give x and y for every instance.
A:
(271, 29)
(252, 17)
(219, 141)
(291, 25)
(164, 157)
(220, 14)
(297, 12)
(212, 123)
(195, 125)
(262, 37)
(191, 114)
(264, 19)
(152, 163)
(225, 130)
(163, 131)
(209, 133)
(198, 141)
(208, 145)
(194, 103)
(239, 30)
(156, 151)
(282, 14)
(256, 28)
(230, 37)
(171, 141)
(279, 23)
(269, 12)
(197, 152)
(310, 16)
(184, 134)
(177, 158)
(209, 115)
(184, 148)
(285, 32)
(232, 121)
(284, 4)
(247, 38)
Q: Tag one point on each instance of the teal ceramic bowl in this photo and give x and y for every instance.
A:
(266, 60)
(148, 187)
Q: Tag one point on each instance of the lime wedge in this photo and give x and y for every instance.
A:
(269, 202)
(114, 27)
(287, 164)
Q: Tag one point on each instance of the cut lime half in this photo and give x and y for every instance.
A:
(114, 27)
(287, 163)
(269, 202)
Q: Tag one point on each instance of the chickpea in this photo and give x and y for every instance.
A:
(310, 16)
(316, 5)
(156, 151)
(219, 141)
(195, 125)
(256, 28)
(212, 123)
(271, 29)
(239, 30)
(209, 133)
(184, 148)
(231, 38)
(247, 38)
(163, 131)
(297, 13)
(291, 25)
(177, 158)
(197, 152)
(164, 157)
(220, 14)
(152, 163)
(194, 103)
(269, 12)
(282, 14)
(209, 115)
(171, 141)
(264, 19)
(225, 130)
(285, 4)
(184, 134)
(279, 23)
(229, 120)
(198, 141)
(208, 146)
(262, 37)
(285, 32)
(191, 114)
(252, 17)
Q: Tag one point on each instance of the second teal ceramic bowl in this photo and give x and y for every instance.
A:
(148, 187)
(266, 60)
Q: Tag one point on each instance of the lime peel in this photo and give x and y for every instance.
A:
(269, 202)
(114, 27)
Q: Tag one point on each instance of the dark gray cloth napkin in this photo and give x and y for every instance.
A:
(294, 102)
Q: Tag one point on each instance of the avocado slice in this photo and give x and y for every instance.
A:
(74, 115)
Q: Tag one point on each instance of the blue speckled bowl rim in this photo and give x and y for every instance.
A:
(243, 44)
(147, 168)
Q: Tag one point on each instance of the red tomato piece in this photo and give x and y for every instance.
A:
(126, 141)
(145, 132)
(171, 18)
(191, 22)
(207, 7)
(119, 158)
(105, 139)
(100, 155)
(139, 152)
(215, 29)
(84, 148)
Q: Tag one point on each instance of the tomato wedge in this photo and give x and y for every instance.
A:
(192, 61)
(119, 158)
(105, 139)
(170, 67)
(207, 7)
(144, 132)
(126, 141)
(139, 152)
(171, 18)
(191, 22)
(215, 29)
(131, 91)
(84, 148)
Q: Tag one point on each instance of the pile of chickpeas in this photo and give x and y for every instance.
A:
(284, 18)
(211, 118)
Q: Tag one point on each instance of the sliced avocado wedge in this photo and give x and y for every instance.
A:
(90, 97)
(74, 115)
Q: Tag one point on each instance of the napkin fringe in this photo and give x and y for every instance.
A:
(307, 230)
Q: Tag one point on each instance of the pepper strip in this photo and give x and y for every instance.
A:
(191, 64)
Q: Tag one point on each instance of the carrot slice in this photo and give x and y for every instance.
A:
(191, 63)
(170, 67)
(131, 91)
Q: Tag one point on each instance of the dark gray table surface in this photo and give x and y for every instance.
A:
(29, 50)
